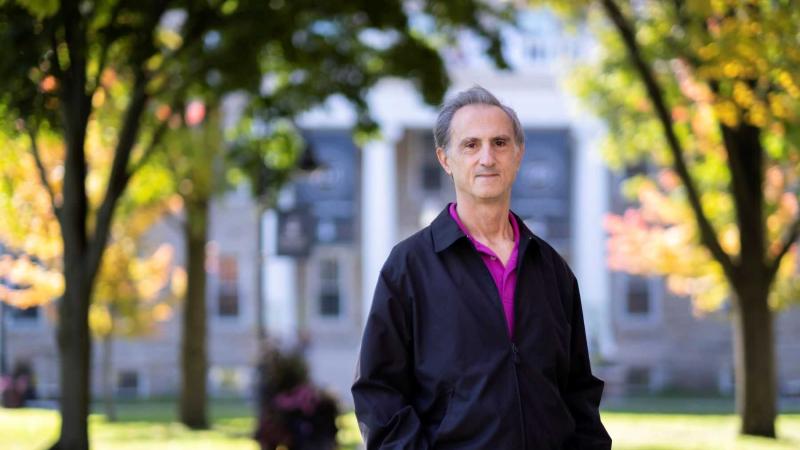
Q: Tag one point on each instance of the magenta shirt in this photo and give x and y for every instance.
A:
(505, 277)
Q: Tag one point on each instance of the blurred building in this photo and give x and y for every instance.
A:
(333, 228)
(149, 366)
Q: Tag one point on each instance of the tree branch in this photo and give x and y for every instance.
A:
(791, 238)
(119, 176)
(746, 161)
(42, 172)
(707, 234)
(157, 135)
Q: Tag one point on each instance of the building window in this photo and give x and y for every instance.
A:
(638, 378)
(228, 301)
(637, 298)
(26, 315)
(621, 199)
(329, 288)
(128, 383)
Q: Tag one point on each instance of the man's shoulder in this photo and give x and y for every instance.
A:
(404, 258)
(419, 242)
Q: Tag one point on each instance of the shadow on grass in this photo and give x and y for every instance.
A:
(157, 420)
(166, 410)
(241, 428)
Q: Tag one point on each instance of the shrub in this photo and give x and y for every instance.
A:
(293, 413)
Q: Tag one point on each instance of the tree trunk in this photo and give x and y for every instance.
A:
(74, 340)
(754, 340)
(193, 346)
(75, 352)
(754, 356)
(108, 383)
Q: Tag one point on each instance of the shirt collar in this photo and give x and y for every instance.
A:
(479, 245)
(446, 232)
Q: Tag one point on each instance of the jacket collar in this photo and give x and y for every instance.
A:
(446, 232)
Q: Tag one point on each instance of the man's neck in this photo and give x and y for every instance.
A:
(486, 221)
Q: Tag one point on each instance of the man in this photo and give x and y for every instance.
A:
(476, 338)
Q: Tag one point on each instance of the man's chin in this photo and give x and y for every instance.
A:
(489, 195)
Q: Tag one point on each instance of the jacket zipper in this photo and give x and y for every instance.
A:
(517, 360)
(514, 349)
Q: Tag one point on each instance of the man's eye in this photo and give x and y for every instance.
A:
(500, 142)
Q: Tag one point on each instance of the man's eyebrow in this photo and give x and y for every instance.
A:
(468, 139)
(502, 136)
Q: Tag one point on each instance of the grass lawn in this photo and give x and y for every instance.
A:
(641, 424)
(146, 425)
(690, 423)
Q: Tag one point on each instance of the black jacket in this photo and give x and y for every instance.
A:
(437, 368)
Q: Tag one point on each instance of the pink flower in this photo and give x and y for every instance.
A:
(303, 398)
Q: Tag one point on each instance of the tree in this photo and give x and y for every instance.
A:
(127, 300)
(192, 160)
(201, 166)
(707, 91)
(288, 55)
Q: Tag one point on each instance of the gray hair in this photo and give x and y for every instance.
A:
(473, 96)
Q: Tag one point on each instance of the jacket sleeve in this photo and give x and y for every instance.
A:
(384, 375)
(584, 390)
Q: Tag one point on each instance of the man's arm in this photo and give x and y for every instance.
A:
(584, 390)
(384, 375)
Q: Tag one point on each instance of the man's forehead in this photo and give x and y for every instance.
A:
(481, 118)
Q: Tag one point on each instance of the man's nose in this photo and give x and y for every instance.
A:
(487, 155)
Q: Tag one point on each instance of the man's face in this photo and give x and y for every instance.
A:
(482, 156)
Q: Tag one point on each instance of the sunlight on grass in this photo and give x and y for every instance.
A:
(631, 431)
(27, 429)
(35, 429)
(349, 436)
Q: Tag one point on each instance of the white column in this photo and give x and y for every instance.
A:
(591, 206)
(280, 284)
(379, 209)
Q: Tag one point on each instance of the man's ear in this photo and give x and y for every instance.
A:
(441, 155)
